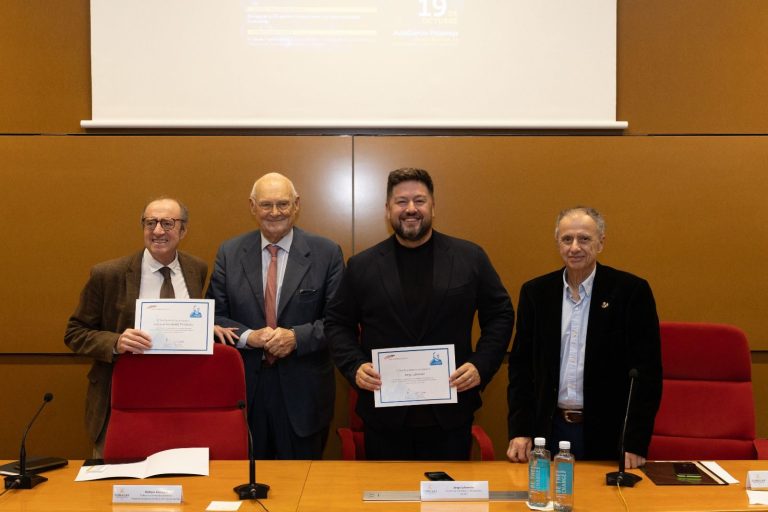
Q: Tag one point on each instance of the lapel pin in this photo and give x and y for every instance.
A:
(604, 305)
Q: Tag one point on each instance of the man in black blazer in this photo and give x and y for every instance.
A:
(580, 331)
(288, 369)
(419, 288)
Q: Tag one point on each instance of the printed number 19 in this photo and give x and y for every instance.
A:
(433, 8)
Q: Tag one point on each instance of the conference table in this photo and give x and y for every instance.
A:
(314, 486)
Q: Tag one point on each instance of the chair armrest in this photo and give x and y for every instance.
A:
(347, 438)
(761, 447)
(484, 442)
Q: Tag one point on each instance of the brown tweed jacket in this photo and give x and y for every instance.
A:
(106, 309)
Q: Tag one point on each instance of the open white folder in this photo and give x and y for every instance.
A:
(183, 461)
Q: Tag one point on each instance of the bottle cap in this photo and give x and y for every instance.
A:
(565, 445)
(539, 441)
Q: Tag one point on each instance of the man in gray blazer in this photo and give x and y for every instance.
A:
(102, 325)
(271, 288)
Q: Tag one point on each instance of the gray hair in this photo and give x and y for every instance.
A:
(596, 216)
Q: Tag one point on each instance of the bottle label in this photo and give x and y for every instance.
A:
(541, 475)
(564, 478)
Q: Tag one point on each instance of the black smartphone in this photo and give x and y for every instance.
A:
(687, 470)
(438, 475)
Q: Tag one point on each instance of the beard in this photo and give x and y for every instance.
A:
(412, 234)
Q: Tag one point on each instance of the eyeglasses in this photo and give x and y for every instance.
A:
(167, 224)
(282, 206)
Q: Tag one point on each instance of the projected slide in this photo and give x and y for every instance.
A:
(297, 23)
(354, 64)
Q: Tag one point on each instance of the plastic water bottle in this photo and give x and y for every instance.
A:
(538, 474)
(564, 462)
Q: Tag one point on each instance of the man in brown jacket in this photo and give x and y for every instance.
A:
(102, 325)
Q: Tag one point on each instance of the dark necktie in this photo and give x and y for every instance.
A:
(270, 296)
(166, 291)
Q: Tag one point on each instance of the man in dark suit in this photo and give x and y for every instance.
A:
(102, 325)
(580, 331)
(277, 322)
(419, 288)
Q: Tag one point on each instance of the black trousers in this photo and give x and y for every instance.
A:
(419, 443)
(564, 431)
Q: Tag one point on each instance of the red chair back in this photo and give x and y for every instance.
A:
(707, 408)
(161, 402)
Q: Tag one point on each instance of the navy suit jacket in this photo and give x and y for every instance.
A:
(622, 333)
(370, 303)
(312, 274)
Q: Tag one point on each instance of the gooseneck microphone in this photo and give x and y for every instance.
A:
(252, 490)
(621, 477)
(24, 480)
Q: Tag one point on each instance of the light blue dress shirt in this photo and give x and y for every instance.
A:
(573, 343)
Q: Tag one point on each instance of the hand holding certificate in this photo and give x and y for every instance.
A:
(177, 326)
(415, 375)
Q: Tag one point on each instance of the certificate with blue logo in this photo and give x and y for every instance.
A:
(177, 326)
(415, 375)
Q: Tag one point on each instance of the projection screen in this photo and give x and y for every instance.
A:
(353, 64)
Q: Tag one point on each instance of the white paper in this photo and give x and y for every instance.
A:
(177, 326)
(758, 497)
(549, 506)
(757, 480)
(718, 470)
(218, 506)
(146, 494)
(458, 490)
(415, 375)
(183, 461)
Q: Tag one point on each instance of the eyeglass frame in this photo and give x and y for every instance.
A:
(157, 221)
(282, 206)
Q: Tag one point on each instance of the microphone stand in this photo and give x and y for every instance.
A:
(252, 490)
(24, 480)
(621, 477)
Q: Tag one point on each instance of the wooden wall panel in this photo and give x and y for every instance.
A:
(60, 429)
(46, 66)
(681, 212)
(693, 66)
(71, 202)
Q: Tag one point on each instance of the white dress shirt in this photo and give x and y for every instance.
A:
(152, 279)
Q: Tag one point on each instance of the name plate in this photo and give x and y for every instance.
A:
(459, 490)
(757, 480)
(146, 494)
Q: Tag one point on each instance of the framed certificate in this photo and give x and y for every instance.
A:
(177, 326)
(415, 375)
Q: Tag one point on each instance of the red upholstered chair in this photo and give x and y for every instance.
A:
(707, 408)
(353, 440)
(161, 402)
